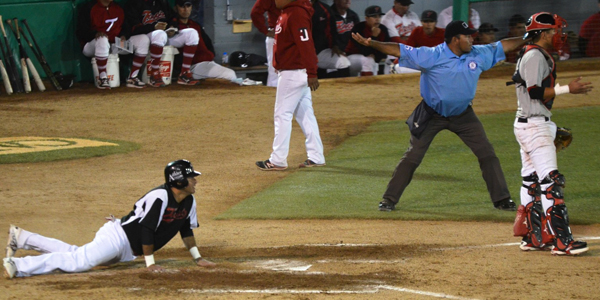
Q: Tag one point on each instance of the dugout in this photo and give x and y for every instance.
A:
(53, 23)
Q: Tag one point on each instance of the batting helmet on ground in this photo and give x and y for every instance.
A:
(177, 172)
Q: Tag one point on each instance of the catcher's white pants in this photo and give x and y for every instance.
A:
(210, 69)
(329, 60)
(538, 153)
(293, 98)
(272, 77)
(108, 247)
(100, 47)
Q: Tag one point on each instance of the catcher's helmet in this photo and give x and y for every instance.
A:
(177, 172)
(544, 21)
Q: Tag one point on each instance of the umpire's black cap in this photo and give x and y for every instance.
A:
(458, 27)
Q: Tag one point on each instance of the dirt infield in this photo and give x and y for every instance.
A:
(223, 128)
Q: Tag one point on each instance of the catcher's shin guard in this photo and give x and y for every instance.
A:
(530, 191)
(564, 243)
(538, 225)
(559, 217)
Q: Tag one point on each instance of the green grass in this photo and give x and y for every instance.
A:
(75, 153)
(446, 186)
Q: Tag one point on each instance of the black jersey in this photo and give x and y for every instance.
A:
(142, 15)
(344, 25)
(324, 31)
(159, 212)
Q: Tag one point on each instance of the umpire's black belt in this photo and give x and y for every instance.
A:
(524, 120)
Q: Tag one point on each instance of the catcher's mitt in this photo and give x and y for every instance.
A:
(563, 139)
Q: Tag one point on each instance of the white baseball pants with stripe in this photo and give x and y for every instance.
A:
(108, 247)
(294, 99)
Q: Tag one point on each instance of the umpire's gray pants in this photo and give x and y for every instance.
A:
(470, 130)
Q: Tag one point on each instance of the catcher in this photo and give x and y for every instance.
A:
(542, 218)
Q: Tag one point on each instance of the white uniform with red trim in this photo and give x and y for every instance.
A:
(400, 26)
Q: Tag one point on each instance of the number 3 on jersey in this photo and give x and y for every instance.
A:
(304, 34)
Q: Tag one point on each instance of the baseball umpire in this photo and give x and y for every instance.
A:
(542, 202)
(155, 219)
(449, 76)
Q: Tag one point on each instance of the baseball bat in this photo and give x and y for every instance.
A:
(42, 59)
(5, 79)
(34, 72)
(23, 54)
(36, 76)
(11, 62)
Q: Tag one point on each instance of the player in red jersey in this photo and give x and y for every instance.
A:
(295, 60)
(99, 22)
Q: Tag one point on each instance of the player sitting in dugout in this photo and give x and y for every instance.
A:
(202, 65)
(328, 43)
(365, 57)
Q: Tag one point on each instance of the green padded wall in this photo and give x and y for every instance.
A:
(52, 23)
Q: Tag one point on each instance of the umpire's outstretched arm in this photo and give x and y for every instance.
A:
(392, 49)
(514, 43)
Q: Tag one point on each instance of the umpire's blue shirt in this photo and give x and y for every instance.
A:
(448, 82)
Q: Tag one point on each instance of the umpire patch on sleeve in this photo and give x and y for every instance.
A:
(472, 65)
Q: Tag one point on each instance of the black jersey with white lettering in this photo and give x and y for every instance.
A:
(158, 212)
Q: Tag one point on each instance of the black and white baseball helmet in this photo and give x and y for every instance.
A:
(177, 172)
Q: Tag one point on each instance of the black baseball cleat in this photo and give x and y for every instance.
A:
(386, 205)
(574, 248)
(506, 204)
(267, 165)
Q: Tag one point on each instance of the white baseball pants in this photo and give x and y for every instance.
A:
(329, 60)
(538, 153)
(272, 77)
(100, 47)
(187, 36)
(210, 69)
(293, 98)
(360, 63)
(108, 247)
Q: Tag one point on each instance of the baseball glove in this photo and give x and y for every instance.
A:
(563, 138)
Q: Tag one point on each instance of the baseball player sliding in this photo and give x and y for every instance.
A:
(155, 219)
(542, 208)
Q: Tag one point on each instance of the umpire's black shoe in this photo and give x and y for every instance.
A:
(386, 205)
(506, 204)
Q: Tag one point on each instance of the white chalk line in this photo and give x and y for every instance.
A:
(584, 238)
(282, 265)
(364, 290)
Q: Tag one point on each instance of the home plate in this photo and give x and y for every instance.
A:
(283, 265)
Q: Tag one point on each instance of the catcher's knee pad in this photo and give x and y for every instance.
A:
(559, 223)
(530, 188)
(553, 186)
